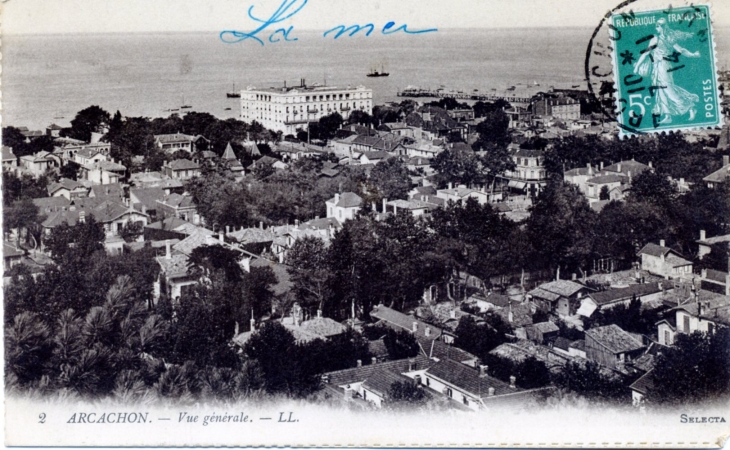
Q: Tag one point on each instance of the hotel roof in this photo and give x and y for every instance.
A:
(292, 90)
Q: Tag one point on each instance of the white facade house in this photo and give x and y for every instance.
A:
(288, 108)
(344, 206)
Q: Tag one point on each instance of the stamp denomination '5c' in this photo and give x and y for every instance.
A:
(665, 71)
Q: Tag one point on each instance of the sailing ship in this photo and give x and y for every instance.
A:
(234, 93)
(375, 73)
(184, 106)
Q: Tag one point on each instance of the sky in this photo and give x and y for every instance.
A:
(96, 16)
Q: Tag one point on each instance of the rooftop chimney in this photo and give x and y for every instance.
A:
(601, 165)
(228, 229)
(167, 249)
(253, 321)
(661, 242)
(618, 166)
(374, 360)
(337, 199)
(702, 235)
(651, 165)
(491, 391)
(512, 381)
(415, 326)
(220, 237)
(725, 160)
(359, 363)
(411, 365)
(385, 205)
(428, 331)
(452, 314)
(319, 313)
(483, 370)
(82, 216)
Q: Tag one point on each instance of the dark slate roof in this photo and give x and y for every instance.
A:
(644, 384)
(613, 338)
(376, 155)
(606, 179)
(63, 183)
(174, 267)
(399, 320)
(441, 350)
(349, 200)
(360, 374)
(167, 224)
(101, 190)
(621, 294)
(635, 167)
(47, 204)
(176, 137)
(562, 343)
(148, 197)
(719, 175)
(546, 327)
(468, 379)
(380, 381)
(10, 251)
(580, 344)
(654, 250)
(183, 164)
(564, 288)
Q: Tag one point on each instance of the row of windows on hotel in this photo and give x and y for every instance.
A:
(329, 106)
(311, 98)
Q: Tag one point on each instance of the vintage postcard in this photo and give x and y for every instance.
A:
(331, 223)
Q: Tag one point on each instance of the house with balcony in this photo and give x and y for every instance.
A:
(171, 143)
(529, 174)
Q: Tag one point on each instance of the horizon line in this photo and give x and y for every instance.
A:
(307, 30)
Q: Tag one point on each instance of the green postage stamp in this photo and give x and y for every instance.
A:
(665, 70)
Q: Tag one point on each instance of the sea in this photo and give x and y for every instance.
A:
(48, 78)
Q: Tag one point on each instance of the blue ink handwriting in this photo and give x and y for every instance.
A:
(289, 8)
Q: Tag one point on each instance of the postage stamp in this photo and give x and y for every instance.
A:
(665, 70)
(346, 224)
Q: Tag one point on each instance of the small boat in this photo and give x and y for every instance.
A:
(227, 109)
(234, 93)
(185, 107)
(375, 73)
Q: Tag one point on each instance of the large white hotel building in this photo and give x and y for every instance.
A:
(288, 108)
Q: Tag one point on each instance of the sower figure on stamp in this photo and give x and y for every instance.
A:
(670, 99)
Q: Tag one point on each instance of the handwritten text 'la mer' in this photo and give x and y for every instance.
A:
(289, 8)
